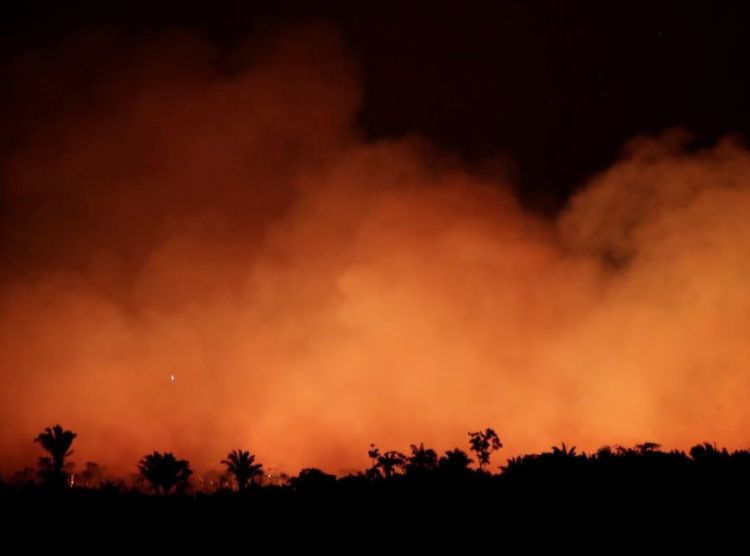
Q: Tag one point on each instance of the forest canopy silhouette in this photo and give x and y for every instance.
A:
(622, 490)
(562, 466)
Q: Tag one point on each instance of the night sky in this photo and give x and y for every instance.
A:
(557, 87)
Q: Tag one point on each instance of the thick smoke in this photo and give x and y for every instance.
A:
(174, 208)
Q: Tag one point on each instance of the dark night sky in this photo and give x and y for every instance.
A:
(557, 86)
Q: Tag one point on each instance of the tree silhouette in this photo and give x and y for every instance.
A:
(164, 471)
(421, 460)
(24, 477)
(312, 479)
(483, 443)
(241, 465)
(647, 447)
(92, 475)
(373, 472)
(391, 461)
(385, 464)
(513, 465)
(708, 453)
(563, 451)
(374, 454)
(56, 442)
(455, 461)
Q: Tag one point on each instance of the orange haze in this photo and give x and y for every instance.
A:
(217, 215)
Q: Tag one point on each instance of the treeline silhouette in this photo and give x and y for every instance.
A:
(459, 487)
(165, 474)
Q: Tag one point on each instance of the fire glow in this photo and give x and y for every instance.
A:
(316, 291)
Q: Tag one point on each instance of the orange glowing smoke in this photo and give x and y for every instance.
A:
(219, 217)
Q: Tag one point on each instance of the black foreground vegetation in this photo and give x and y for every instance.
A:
(615, 487)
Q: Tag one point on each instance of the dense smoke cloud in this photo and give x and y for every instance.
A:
(170, 207)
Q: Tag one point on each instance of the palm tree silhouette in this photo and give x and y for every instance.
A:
(164, 471)
(390, 461)
(56, 442)
(241, 465)
(385, 464)
(564, 452)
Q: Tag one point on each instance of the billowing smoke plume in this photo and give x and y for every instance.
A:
(170, 208)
